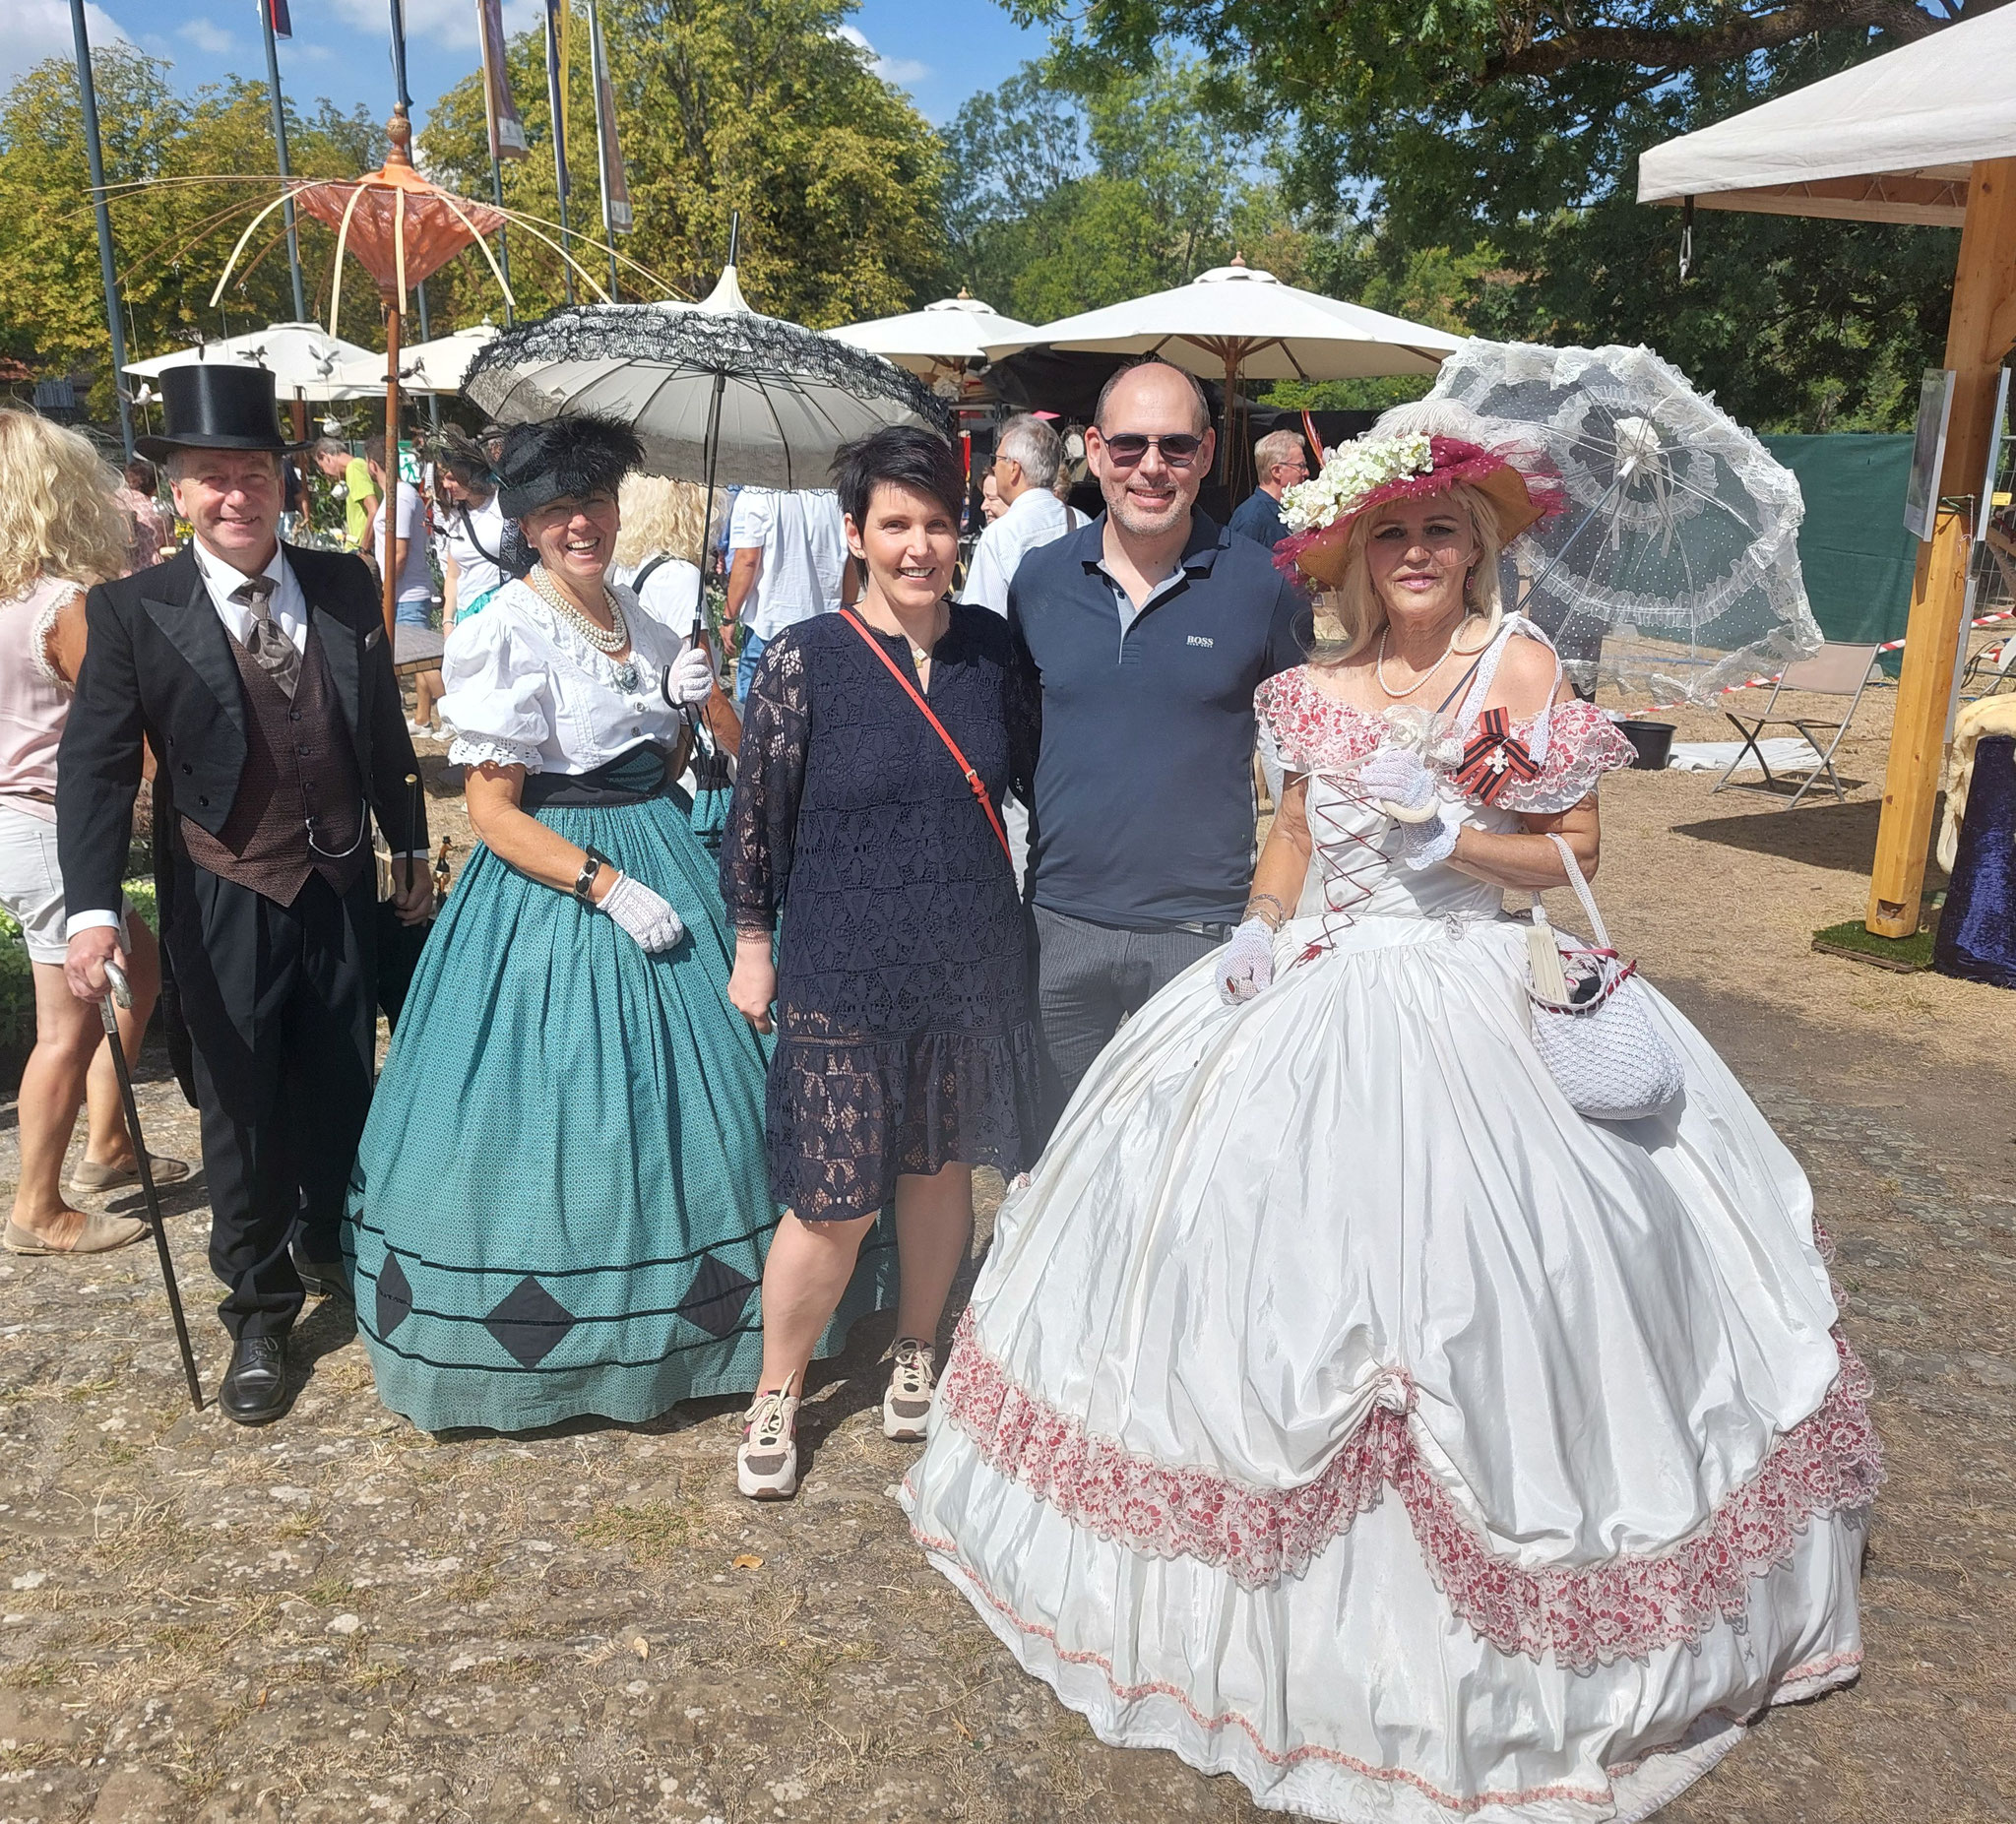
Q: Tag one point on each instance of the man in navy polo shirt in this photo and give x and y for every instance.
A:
(1150, 629)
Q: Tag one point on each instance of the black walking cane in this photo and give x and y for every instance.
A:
(116, 989)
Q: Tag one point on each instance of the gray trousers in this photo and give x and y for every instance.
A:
(1089, 977)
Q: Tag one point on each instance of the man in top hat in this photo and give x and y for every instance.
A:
(262, 677)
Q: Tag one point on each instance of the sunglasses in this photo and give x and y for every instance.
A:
(1178, 448)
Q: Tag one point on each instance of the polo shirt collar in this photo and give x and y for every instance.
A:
(1200, 550)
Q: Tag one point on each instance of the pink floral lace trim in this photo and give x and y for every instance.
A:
(1311, 733)
(946, 1548)
(1584, 1616)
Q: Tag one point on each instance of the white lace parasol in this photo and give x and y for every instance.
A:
(1675, 569)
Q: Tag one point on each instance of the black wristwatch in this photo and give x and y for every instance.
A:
(584, 885)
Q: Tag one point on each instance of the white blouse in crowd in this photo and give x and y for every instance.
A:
(473, 537)
(526, 688)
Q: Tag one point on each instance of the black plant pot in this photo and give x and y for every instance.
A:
(1654, 741)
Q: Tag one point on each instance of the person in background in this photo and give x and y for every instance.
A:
(353, 474)
(992, 506)
(660, 550)
(471, 527)
(904, 1054)
(790, 562)
(263, 671)
(62, 528)
(1150, 629)
(1073, 518)
(1027, 461)
(1281, 458)
(403, 530)
(153, 527)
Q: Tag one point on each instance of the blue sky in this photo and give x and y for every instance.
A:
(939, 50)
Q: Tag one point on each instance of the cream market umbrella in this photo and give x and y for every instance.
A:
(437, 366)
(1237, 322)
(946, 338)
(303, 359)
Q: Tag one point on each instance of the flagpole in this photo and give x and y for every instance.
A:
(108, 270)
(556, 106)
(598, 60)
(503, 245)
(280, 146)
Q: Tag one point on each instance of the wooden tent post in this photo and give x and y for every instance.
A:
(388, 505)
(1977, 338)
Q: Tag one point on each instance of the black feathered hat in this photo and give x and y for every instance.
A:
(572, 455)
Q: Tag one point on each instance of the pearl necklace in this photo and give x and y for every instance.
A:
(1379, 666)
(609, 640)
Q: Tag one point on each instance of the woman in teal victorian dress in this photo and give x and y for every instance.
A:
(560, 1203)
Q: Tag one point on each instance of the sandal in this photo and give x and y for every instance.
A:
(101, 1235)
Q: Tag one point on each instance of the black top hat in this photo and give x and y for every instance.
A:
(216, 405)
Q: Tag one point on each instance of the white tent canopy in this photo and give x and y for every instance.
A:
(1890, 140)
(435, 366)
(303, 357)
(952, 333)
(1237, 319)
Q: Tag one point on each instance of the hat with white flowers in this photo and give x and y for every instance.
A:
(1371, 470)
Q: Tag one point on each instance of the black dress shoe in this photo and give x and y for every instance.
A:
(324, 1279)
(255, 1385)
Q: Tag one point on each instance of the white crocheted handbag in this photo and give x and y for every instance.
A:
(1591, 1021)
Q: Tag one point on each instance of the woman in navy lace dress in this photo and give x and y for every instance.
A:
(904, 1053)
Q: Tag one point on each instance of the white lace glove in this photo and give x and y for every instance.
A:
(643, 914)
(1398, 780)
(691, 678)
(1421, 845)
(1245, 964)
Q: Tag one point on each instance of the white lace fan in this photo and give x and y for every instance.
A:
(1675, 569)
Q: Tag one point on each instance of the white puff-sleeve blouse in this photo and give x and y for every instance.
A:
(526, 688)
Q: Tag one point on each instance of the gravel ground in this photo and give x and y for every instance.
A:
(339, 1617)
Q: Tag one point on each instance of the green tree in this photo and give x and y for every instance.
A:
(756, 107)
(1064, 195)
(1516, 127)
(173, 232)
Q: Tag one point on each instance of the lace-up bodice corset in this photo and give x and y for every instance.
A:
(1572, 744)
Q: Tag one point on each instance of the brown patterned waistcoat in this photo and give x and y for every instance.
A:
(300, 780)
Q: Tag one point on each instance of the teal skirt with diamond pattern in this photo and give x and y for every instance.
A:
(560, 1205)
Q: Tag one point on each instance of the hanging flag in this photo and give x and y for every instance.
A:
(276, 11)
(507, 129)
(617, 212)
(556, 87)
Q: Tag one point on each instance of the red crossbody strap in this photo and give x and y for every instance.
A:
(974, 783)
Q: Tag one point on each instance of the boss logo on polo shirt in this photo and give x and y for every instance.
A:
(1198, 639)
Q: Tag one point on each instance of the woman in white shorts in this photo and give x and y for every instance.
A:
(60, 528)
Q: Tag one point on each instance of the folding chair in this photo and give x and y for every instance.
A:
(1835, 670)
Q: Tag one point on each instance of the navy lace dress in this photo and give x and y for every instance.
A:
(905, 1040)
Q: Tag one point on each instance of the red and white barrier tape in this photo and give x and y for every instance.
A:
(1888, 646)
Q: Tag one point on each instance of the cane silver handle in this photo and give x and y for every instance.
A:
(117, 990)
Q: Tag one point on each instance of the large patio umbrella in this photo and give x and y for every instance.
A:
(437, 366)
(1925, 134)
(1237, 322)
(303, 359)
(947, 337)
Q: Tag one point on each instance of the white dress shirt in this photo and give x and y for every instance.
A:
(1035, 516)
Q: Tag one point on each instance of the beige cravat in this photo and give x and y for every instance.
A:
(267, 640)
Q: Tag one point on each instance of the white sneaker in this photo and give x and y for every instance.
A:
(419, 727)
(912, 1379)
(767, 1463)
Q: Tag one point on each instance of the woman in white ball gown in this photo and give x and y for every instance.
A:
(1340, 1409)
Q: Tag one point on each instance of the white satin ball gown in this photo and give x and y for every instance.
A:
(1341, 1409)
